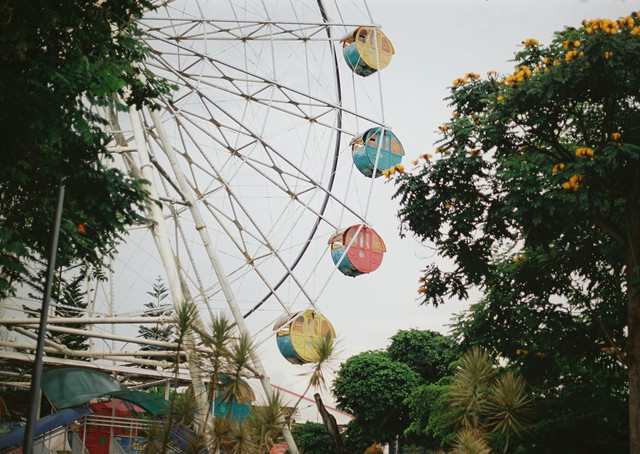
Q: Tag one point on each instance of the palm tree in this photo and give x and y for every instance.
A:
(469, 441)
(508, 407)
(266, 422)
(324, 353)
(470, 387)
(489, 403)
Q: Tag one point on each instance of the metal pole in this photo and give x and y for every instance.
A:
(36, 375)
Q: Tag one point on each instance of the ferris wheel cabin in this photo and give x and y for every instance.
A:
(367, 50)
(357, 250)
(235, 407)
(298, 335)
(365, 149)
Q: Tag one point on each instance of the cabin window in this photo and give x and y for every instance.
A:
(385, 46)
(395, 146)
(362, 35)
(372, 139)
(376, 246)
(386, 143)
(348, 237)
(298, 325)
(325, 328)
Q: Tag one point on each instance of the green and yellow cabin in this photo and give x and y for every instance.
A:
(298, 335)
(367, 50)
(368, 146)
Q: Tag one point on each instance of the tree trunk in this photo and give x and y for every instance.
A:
(330, 423)
(632, 351)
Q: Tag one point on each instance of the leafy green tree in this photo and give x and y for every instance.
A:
(430, 416)
(373, 388)
(581, 393)
(535, 190)
(59, 60)
(428, 353)
(69, 300)
(313, 438)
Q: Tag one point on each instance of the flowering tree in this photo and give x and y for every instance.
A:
(534, 191)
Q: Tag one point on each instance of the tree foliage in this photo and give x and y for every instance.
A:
(373, 388)
(313, 438)
(534, 193)
(428, 353)
(60, 59)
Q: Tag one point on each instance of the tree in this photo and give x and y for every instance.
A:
(488, 403)
(428, 353)
(60, 60)
(313, 438)
(155, 308)
(373, 388)
(534, 191)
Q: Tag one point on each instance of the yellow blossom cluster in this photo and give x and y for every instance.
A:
(568, 44)
(557, 168)
(387, 173)
(520, 258)
(573, 54)
(473, 153)
(426, 157)
(616, 136)
(463, 80)
(585, 151)
(530, 42)
(607, 26)
(522, 73)
(574, 183)
(608, 54)
(521, 352)
(626, 22)
(444, 128)
(442, 150)
(425, 282)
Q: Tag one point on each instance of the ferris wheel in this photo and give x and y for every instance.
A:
(263, 162)
(252, 156)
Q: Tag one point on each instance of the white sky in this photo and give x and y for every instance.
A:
(435, 43)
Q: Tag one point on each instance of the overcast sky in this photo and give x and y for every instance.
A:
(435, 43)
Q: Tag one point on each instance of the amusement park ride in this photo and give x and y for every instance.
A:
(255, 198)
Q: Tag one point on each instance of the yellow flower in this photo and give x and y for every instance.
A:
(576, 44)
(444, 128)
(530, 42)
(500, 98)
(585, 151)
(415, 163)
(615, 136)
(400, 168)
(608, 54)
(521, 352)
(635, 31)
